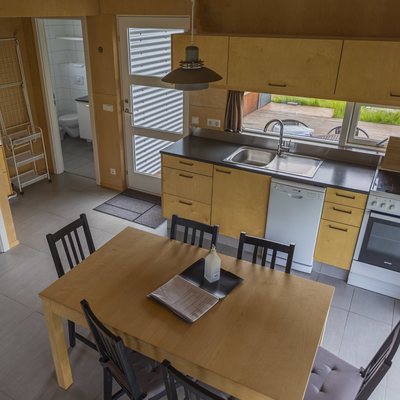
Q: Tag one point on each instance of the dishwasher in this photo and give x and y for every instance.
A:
(294, 213)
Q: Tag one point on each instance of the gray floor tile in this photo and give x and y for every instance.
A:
(334, 330)
(372, 305)
(343, 292)
(362, 338)
(393, 376)
(392, 394)
(3, 396)
(396, 314)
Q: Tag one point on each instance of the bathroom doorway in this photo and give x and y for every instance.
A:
(65, 81)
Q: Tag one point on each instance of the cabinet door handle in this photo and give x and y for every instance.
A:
(337, 228)
(394, 95)
(222, 171)
(186, 203)
(281, 85)
(342, 211)
(186, 176)
(346, 196)
(190, 164)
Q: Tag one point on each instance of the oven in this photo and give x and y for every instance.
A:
(379, 241)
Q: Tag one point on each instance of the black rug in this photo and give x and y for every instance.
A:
(134, 206)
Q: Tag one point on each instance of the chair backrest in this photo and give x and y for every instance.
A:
(114, 354)
(194, 226)
(266, 245)
(173, 379)
(379, 365)
(71, 242)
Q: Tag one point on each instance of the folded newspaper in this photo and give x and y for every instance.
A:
(184, 298)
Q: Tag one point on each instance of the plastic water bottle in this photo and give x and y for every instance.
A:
(212, 267)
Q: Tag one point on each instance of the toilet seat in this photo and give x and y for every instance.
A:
(68, 117)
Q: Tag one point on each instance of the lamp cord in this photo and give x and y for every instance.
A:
(192, 22)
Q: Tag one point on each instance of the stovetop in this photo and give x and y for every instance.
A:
(387, 182)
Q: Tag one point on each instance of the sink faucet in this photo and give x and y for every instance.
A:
(282, 146)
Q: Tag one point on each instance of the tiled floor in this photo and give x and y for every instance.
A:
(78, 157)
(358, 321)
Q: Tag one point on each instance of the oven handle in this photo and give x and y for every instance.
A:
(385, 217)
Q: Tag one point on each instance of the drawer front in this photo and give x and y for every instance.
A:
(343, 214)
(186, 164)
(185, 208)
(188, 185)
(335, 244)
(346, 198)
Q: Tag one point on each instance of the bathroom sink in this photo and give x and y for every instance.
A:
(250, 156)
(294, 164)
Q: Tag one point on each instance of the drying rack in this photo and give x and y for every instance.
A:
(23, 141)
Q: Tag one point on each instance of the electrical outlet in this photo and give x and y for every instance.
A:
(215, 123)
(195, 120)
(108, 107)
(113, 171)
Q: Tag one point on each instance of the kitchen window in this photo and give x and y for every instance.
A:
(303, 117)
(321, 120)
(372, 125)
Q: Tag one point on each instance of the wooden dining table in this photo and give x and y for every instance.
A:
(257, 343)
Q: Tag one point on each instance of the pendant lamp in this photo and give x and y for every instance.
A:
(192, 74)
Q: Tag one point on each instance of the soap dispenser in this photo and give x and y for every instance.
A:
(212, 266)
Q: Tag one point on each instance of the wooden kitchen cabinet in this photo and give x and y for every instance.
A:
(369, 72)
(213, 50)
(188, 185)
(239, 201)
(186, 188)
(339, 227)
(336, 243)
(305, 67)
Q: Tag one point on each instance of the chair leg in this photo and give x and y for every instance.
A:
(71, 333)
(107, 382)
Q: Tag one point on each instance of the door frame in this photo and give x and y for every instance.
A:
(145, 182)
(47, 89)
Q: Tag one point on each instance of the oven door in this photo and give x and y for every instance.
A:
(381, 242)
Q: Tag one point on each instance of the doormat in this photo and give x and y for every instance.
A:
(134, 206)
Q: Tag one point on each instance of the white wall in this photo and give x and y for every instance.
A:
(67, 62)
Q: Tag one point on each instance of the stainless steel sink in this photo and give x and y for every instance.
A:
(250, 156)
(294, 164)
(291, 164)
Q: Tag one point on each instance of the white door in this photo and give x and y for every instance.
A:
(155, 115)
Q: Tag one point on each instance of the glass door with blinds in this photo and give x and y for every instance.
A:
(154, 113)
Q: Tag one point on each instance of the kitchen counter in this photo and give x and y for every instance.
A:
(330, 174)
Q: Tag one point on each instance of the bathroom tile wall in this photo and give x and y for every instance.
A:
(67, 62)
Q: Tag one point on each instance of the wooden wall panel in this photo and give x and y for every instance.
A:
(49, 8)
(104, 68)
(109, 141)
(145, 7)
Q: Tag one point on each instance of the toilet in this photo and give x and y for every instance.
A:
(69, 124)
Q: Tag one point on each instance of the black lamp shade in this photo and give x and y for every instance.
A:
(192, 75)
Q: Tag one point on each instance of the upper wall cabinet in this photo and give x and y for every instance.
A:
(370, 72)
(213, 51)
(305, 67)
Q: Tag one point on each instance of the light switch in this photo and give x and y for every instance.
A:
(195, 120)
(108, 107)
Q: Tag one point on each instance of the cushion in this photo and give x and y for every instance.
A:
(332, 378)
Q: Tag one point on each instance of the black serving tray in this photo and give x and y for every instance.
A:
(227, 281)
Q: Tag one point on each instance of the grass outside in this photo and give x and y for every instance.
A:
(367, 114)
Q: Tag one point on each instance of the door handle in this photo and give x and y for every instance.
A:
(295, 196)
(190, 164)
(281, 85)
(186, 203)
(222, 171)
(345, 196)
(186, 176)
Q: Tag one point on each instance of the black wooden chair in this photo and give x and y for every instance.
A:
(194, 226)
(334, 379)
(266, 245)
(174, 379)
(73, 255)
(137, 375)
